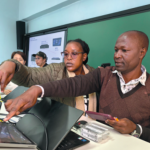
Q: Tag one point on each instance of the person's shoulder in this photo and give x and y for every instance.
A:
(89, 67)
(107, 71)
(56, 65)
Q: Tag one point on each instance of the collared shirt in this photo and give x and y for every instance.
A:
(126, 87)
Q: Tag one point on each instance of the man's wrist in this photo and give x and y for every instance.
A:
(136, 132)
(37, 90)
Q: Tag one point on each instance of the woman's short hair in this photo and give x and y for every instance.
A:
(21, 54)
(84, 45)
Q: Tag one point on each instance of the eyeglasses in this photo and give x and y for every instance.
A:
(73, 54)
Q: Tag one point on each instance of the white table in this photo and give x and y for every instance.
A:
(2, 95)
(115, 141)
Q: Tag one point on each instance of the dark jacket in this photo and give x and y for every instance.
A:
(145, 134)
(45, 65)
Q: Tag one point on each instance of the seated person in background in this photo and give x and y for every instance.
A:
(21, 57)
(124, 89)
(75, 59)
(40, 59)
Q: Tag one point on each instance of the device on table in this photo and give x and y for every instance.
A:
(10, 136)
(17, 92)
(99, 116)
(71, 141)
(32, 132)
(79, 124)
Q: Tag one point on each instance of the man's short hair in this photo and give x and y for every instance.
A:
(143, 38)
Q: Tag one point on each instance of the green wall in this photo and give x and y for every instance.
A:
(101, 36)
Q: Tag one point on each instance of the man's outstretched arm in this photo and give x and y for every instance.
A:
(79, 85)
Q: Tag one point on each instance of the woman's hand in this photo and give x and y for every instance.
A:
(6, 92)
(22, 102)
(7, 71)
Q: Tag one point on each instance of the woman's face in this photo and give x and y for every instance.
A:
(19, 58)
(74, 63)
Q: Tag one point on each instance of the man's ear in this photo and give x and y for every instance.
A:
(84, 56)
(143, 52)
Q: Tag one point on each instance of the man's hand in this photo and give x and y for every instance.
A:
(124, 126)
(22, 102)
(7, 70)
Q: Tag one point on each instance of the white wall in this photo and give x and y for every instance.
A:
(8, 15)
(38, 19)
(43, 14)
(29, 9)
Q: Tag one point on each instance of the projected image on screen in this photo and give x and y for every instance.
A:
(55, 58)
(44, 45)
(57, 42)
(52, 44)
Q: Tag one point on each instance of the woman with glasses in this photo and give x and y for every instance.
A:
(21, 57)
(75, 63)
(75, 59)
